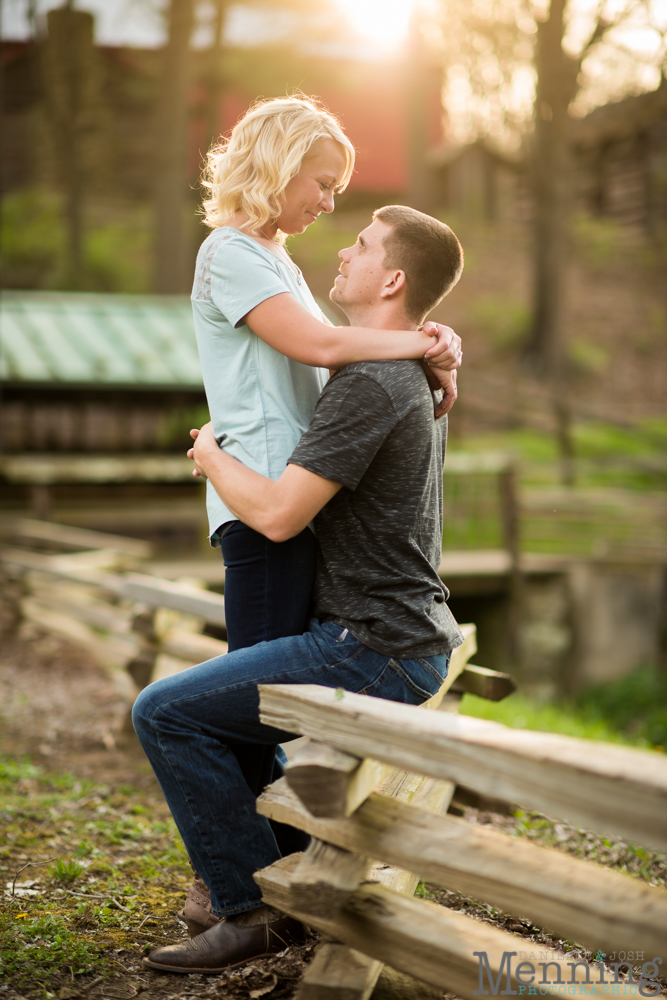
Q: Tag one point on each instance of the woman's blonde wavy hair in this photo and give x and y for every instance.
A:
(250, 171)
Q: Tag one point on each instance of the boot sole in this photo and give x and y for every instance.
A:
(204, 972)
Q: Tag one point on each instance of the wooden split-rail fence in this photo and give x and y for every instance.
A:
(96, 590)
(372, 786)
(137, 625)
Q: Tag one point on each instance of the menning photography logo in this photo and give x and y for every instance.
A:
(561, 974)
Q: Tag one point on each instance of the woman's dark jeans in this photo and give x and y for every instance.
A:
(268, 585)
(268, 592)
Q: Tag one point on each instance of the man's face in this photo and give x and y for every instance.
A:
(362, 274)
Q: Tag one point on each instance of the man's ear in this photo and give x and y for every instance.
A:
(395, 283)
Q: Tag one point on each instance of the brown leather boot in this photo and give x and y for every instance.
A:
(226, 945)
(196, 913)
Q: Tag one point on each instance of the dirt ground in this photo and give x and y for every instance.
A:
(82, 789)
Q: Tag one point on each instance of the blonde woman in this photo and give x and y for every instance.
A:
(266, 351)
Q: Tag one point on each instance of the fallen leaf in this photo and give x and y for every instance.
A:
(263, 990)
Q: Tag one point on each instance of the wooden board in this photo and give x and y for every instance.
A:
(331, 783)
(485, 683)
(579, 900)
(605, 787)
(46, 469)
(339, 973)
(65, 567)
(328, 875)
(326, 878)
(426, 941)
(165, 594)
(67, 537)
(190, 646)
(96, 613)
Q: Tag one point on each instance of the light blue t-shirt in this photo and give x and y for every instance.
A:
(260, 401)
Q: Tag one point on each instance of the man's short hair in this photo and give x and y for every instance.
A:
(427, 251)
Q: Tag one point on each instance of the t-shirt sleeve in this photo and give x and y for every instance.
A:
(241, 278)
(352, 418)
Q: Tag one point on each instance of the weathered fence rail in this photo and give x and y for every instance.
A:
(334, 888)
(137, 626)
(95, 594)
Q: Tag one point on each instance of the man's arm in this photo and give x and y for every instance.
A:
(279, 509)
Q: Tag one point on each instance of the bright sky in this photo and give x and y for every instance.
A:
(382, 22)
(380, 27)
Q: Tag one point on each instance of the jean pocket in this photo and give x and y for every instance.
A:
(437, 665)
(406, 681)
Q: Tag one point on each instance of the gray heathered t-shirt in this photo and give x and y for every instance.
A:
(380, 537)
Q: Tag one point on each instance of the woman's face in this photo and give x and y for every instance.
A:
(312, 190)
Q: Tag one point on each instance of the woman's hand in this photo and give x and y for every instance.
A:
(441, 363)
(446, 352)
(205, 444)
(445, 381)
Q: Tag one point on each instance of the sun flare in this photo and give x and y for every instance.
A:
(383, 22)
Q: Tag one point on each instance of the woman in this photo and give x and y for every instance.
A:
(265, 350)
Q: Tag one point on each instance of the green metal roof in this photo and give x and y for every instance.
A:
(87, 338)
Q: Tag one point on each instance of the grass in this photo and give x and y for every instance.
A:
(632, 710)
(607, 458)
(606, 454)
(119, 874)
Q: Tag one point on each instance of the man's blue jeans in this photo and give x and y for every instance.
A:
(200, 730)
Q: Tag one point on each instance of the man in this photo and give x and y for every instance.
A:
(368, 471)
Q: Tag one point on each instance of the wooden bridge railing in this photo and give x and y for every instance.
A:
(370, 910)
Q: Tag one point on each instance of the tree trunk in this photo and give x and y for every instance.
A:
(215, 74)
(171, 149)
(556, 88)
(422, 80)
(71, 98)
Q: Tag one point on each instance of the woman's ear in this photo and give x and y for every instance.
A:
(395, 283)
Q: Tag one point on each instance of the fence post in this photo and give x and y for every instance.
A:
(509, 510)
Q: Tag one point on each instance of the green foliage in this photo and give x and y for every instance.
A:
(13, 770)
(588, 358)
(31, 238)
(471, 512)
(117, 244)
(320, 243)
(632, 710)
(176, 426)
(596, 239)
(66, 871)
(135, 874)
(631, 457)
(519, 712)
(636, 705)
(33, 949)
(503, 321)
(118, 256)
